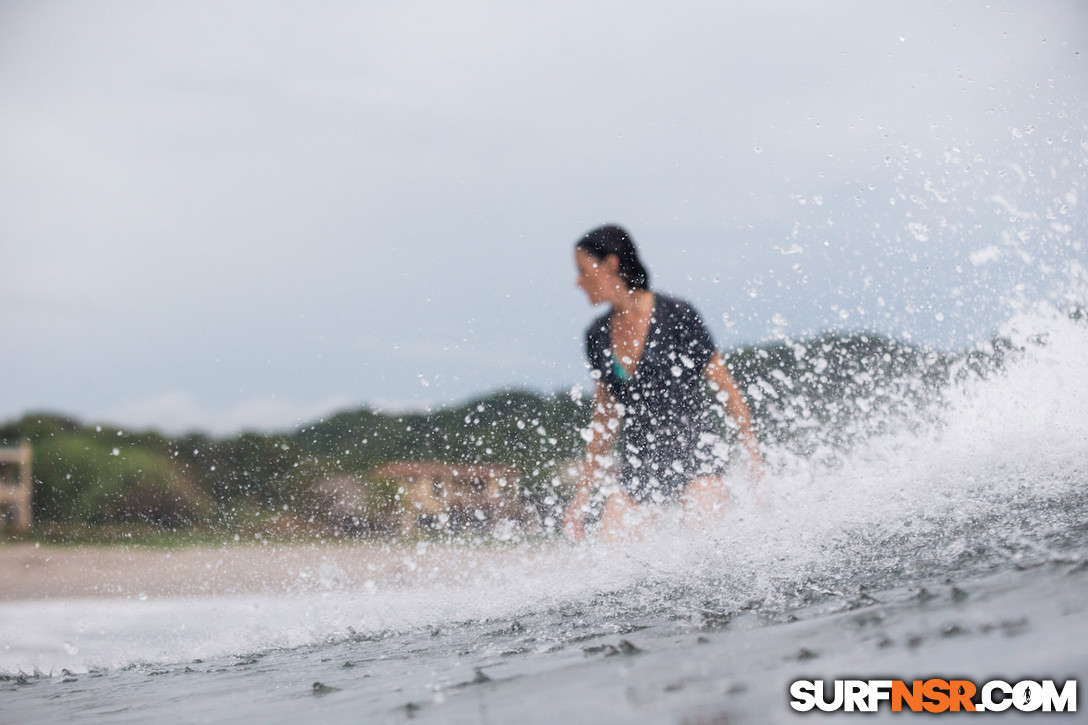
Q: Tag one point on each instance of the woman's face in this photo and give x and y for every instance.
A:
(599, 279)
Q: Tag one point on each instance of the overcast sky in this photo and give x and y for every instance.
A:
(230, 215)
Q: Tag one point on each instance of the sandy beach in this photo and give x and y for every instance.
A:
(31, 571)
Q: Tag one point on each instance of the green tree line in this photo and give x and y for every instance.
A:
(809, 397)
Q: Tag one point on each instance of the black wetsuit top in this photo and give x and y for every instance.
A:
(670, 427)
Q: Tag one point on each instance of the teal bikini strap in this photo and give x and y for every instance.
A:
(619, 371)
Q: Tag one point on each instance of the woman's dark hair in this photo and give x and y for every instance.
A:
(611, 239)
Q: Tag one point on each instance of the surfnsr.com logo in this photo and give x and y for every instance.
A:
(934, 695)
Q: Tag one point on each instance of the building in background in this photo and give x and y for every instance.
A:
(16, 489)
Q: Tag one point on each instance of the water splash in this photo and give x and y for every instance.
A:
(989, 475)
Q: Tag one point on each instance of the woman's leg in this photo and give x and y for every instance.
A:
(621, 518)
(705, 497)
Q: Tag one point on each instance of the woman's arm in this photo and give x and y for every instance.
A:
(603, 429)
(729, 395)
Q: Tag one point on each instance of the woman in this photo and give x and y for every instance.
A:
(652, 358)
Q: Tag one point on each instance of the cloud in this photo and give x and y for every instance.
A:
(212, 197)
